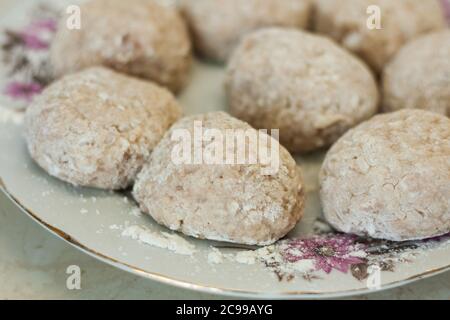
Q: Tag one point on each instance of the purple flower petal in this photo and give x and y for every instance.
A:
(341, 265)
(24, 91)
(34, 35)
(328, 252)
(33, 42)
(322, 264)
(446, 6)
(47, 24)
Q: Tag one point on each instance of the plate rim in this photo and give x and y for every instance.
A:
(229, 292)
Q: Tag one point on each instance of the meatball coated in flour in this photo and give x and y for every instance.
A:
(419, 75)
(389, 178)
(217, 26)
(235, 203)
(136, 37)
(97, 128)
(400, 21)
(303, 84)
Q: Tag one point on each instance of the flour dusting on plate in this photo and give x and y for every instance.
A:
(162, 240)
(10, 116)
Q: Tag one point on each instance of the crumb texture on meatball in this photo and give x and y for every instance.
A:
(218, 25)
(137, 37)
(96, 128)
(389, 178)
(419, 75)
(233, 203)
(303, 84)
(401, 20)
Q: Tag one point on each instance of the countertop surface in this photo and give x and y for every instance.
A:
(34, 262)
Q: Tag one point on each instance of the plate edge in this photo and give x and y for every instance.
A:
(204, 288)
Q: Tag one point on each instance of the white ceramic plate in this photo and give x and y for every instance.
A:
(330, 264)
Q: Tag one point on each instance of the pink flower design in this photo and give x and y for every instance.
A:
(26, 91)
(33, 42)
(446, 6)
(328, 252)
(33, 35)
(43, 25)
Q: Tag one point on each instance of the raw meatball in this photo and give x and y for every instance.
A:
(225, 202)
(96, 128)
(218, 25)
(419, 75)
(302, 84)
(389, 178)
(136, 37)
(401, 20)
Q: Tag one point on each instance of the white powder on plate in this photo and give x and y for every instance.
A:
(135, 212)
(302, 266)
(269, 255)
(162, 240)
(358, 254)
(246, 257)
(10, 116)
(215, 256)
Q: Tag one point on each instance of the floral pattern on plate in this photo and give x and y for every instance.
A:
(25, 56)
(323, 252)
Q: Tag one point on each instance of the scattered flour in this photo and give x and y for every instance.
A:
(320, 227)
(270, 256)
(135, 212)
(302, 266)
(163, 240)
(11, 116)
(215, 256)
(247, 257)
(359, 254)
